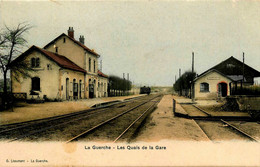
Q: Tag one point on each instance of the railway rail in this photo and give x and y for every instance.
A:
(18, 131)
(195, 111)
(20, 124)
(115, 118)
(225, 124)
(240, 131)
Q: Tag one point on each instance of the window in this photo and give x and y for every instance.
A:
(89, 63)
(36, 84)
(49, 67)
(56, 49)
(204, 87)
(35, 62)
(94, 66)
(64, 40)
(75, 86)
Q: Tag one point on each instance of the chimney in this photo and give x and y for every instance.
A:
(81, 39)
(71, 32)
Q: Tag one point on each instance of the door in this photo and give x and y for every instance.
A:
(67, 89)
(91, 90)
(75, 89)
(80, 87)
(222, 89)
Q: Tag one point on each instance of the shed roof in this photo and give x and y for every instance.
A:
(233, 66)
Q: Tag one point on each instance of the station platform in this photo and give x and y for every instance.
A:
(184, 109)
(162, 124)
(26, 112)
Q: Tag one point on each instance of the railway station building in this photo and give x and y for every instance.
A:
(65, 69)
(222, 79)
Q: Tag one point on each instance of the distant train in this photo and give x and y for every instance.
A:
(145, 90)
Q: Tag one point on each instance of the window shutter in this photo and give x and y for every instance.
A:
(37, 63)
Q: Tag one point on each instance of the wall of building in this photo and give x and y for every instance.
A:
(102, 87)
(49, 78)
(90, 79)
(71, 75)
(213, 79)
(69, 49)
(93, 59)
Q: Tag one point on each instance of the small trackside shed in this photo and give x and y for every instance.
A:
(219, 80)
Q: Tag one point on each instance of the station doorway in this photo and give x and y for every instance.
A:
(91, 90)
(75, 89)
(222, 89)
(67, 89)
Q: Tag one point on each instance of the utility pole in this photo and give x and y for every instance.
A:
(191, 82)
(128, 83)
(180, 84)
(243, 68)
(192, 61)
(101, 65)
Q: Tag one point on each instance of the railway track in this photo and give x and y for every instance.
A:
(29, 129)
(18, 131)
(33, 122)
(221, 126)
(252, 138)
(114, 122)
(194, 110)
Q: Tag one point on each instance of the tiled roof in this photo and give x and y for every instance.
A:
(101, 74)
(75, 41)
(62, 61)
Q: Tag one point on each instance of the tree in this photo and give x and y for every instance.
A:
(119, 84)
(12, 42)
(184, 82)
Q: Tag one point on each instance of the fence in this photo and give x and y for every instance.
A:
(9, 98)
(244, 89)
(14, 96)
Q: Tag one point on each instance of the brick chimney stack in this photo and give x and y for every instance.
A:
(71, 32)
(81, 39)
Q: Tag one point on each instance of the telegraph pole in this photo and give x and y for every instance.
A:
(191, 82)
(180, 84)
(243, 68)
(192, 62)
(127, 85)
(101, 65)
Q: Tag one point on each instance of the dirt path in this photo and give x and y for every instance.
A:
(162, 124)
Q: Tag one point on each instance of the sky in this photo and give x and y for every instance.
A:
(150, 40)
